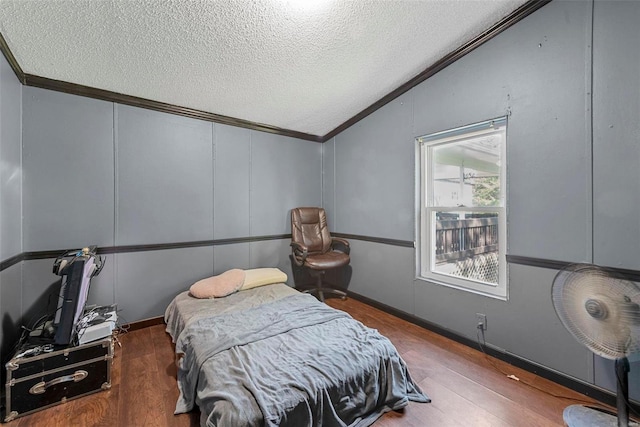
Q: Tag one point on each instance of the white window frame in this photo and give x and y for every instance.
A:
(425, 224)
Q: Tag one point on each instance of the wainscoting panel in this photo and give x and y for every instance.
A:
(285, 173)
(164, 177)
(548, 145)
(329, 182)
(383, 273)
(10, 161)
(616, 134)
(525, 326)
(146, 282)
(232, 174)
(11, 308)
(226, 257)
(68, 191)
(40, 290)
(374, 174)
(273, 253)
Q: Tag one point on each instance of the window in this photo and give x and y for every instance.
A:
(462, 218)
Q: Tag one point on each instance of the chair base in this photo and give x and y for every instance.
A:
(321, 291)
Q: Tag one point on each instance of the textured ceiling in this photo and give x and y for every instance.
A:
(295, 65)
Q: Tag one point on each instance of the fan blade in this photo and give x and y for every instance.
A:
(598, 309)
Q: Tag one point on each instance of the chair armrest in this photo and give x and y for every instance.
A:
(299, 252)
(337, 241)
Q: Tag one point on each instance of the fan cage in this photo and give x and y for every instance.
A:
(599, 308)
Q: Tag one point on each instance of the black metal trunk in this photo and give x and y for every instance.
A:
(38, 382)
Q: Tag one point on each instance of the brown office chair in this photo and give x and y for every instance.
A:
(313, 247)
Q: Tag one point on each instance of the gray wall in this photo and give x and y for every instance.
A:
(83, 171)
(616, 134)
(539, 73)
(95, 172)
(10, 203)
(616, 149)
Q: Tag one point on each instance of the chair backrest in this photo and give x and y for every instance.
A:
(309, 227)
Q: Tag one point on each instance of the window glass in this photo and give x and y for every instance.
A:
(466, 245)
(462, 222)
(467, 173)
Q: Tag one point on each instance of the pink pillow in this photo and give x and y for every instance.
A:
(218, 286)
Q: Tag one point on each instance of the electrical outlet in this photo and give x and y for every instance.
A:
(481, 321)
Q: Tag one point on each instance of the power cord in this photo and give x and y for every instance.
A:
(482, 344)
(121, 329)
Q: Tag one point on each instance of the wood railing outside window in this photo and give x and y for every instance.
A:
(457, 239)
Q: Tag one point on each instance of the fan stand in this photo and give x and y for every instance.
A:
(583, 416)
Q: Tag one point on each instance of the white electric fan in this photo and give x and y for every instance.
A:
(602, 311)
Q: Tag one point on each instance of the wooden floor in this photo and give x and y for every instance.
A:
(467, 388)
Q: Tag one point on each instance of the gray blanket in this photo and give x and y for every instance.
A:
(185, 309)
(290, 362)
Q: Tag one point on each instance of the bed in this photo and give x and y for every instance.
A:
(272, 356)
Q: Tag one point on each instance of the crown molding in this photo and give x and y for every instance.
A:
(517, 15)
(106, 95)
(4, 48)
(119, 98)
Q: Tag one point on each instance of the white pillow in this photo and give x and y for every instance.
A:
(262, 276)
